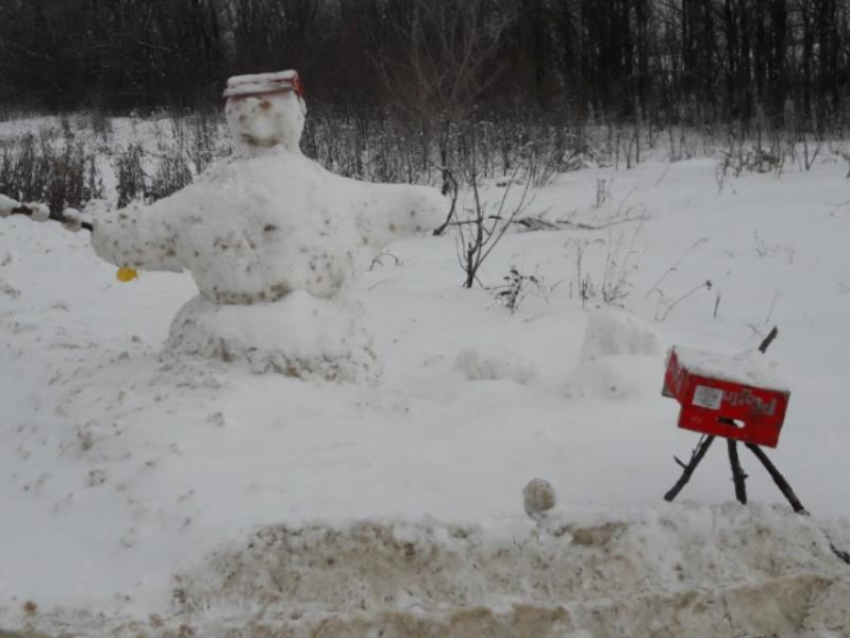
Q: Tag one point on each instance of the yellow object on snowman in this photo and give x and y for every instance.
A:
(126, 274)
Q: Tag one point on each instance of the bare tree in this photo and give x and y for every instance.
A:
(443, 61)
(484, 227)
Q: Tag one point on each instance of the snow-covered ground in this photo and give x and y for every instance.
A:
(144, 494)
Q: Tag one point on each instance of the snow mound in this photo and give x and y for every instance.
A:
(673, 571)
(298, 336)
(620, 357)
(616, 377)
(615, 332)
(477, 366)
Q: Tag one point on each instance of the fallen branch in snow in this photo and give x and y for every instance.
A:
(536, 223)
(54, 216)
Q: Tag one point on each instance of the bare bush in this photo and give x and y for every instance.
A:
(484, 227)
(516, 288)
(447, 61)
(132, 178)
(171, 175)
(60, 172)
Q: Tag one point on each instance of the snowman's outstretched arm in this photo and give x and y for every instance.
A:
(138, 237)
(130, 238)
(388, 212)
(41, 213)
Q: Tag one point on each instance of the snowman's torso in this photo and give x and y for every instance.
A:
(253, 229)
(270, 225)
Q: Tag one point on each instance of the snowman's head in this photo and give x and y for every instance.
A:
(265, 110)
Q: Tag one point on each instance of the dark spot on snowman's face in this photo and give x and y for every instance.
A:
(269, 228)
(392, 228)
(265, 105)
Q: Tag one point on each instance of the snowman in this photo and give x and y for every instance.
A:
(273, 241)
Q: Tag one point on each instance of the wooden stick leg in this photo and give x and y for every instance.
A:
(739, 477)
(696, 457)
(780, 481)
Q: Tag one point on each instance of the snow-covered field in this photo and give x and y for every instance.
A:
(146, 494)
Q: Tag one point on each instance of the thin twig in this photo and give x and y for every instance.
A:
(699, 242)
(707, 285)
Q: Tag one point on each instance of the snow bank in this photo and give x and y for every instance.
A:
(477, 366)
(614, 332)
(620, 357)
(723, 571)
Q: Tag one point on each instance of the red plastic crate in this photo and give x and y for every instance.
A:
(737, 397)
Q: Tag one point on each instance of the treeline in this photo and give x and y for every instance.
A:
(774, 63)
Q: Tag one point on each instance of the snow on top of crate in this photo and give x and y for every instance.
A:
(750, 368)
(260, 83)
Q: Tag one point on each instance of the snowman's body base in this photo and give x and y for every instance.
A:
(297, 336)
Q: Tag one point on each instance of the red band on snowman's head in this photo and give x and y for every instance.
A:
(263, 84)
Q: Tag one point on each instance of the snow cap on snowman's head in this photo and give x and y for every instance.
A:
(265, 110)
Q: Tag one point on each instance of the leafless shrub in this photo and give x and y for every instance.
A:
(132, 178)
(764, 248)
(482, 229)
(447, 61)
(603, 192)
(583, 283)
(59, 172)
(516, 288)
(810, 154)
(171, 175)
(619, 263)
(206, 139)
